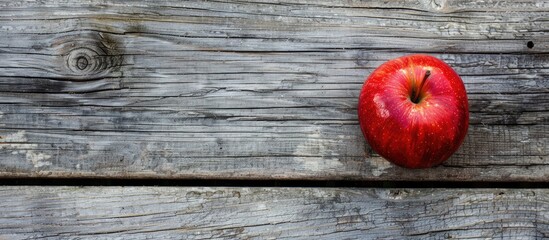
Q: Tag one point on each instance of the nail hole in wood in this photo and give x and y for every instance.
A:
(530, 44)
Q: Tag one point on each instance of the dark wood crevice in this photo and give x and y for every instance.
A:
(120, 182)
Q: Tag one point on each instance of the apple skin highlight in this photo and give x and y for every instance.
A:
(414, 111)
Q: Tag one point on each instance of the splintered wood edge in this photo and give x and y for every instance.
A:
(265, 213)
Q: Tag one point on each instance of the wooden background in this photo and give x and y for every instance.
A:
(261, 90)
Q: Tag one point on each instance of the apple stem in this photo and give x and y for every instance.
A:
(415, 97)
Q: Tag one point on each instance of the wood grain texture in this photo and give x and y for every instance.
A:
(258, 90)
(271, 213)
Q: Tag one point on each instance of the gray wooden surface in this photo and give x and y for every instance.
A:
(258, 90)
(271, 213)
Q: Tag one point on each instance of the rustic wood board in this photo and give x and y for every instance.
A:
(258, 90)
(271, 213)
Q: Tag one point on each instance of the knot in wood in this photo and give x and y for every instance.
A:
(85, 61)
(82, 63)
(90, 56)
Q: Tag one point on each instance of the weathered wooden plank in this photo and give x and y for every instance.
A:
(253, 89)
(271, 213)
(218, 151)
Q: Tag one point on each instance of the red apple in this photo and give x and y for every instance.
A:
(413, 111)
